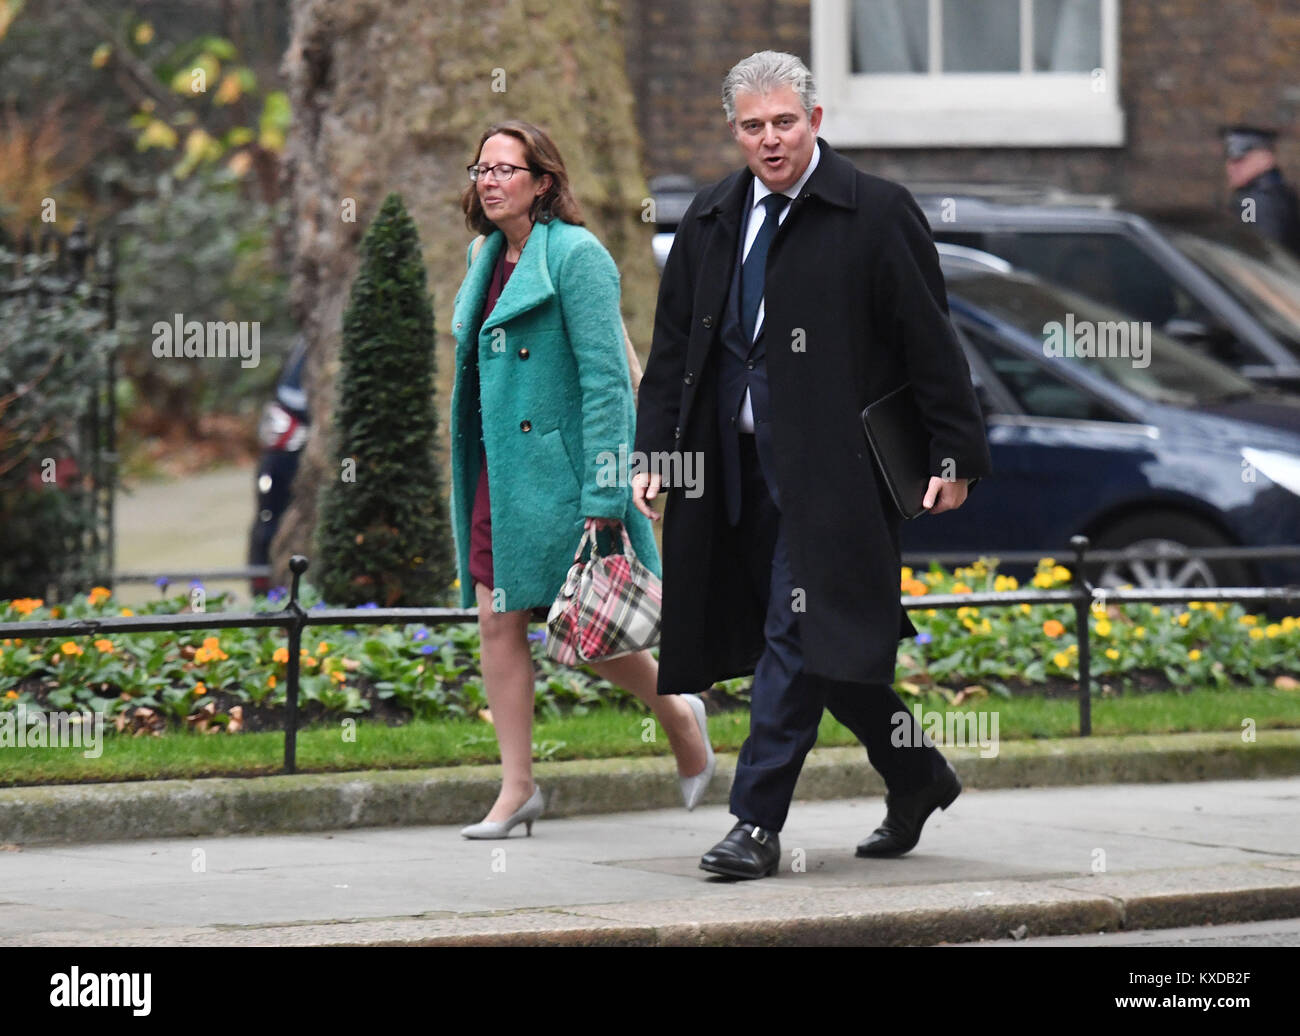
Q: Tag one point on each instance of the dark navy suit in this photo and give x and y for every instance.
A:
(787, 703)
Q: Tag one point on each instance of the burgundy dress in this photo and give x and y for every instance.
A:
(480, 525)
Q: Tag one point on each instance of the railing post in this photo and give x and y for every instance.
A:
(297, 565)
(1082, 630)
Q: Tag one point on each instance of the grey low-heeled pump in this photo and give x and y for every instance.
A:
(525, 814)
(693, 788)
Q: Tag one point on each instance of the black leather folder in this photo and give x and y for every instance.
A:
(901, 445)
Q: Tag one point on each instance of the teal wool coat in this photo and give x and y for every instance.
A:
(557, 411)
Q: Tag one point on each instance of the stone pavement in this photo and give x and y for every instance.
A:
(1028, 861)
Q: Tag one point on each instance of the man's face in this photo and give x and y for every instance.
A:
(776, 135)
(1240, 171)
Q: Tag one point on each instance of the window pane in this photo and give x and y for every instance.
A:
(1039, 392)
(1067, 35)
(981, 35)
(891, 36)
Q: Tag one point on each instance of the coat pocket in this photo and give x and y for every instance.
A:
(558, 479)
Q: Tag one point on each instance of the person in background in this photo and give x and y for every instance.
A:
(1261, 198)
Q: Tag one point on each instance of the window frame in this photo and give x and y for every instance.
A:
(938, 109)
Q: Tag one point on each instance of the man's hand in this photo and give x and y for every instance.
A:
(645, 488)
(943, 495)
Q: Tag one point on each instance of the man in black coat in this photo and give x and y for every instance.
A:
(797, 291)
(1261, 198)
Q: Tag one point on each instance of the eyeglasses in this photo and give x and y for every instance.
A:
(503, 171)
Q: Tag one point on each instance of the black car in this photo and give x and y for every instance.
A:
(1215, 285)
(282, 434)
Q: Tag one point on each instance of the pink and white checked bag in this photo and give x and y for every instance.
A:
(608, 607)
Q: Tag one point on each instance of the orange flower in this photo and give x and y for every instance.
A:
(270, 681)
(337, 677)
(128, 612)
(1053, 628)
(26, 605)
(281, 655)
(199, 689)
(960, 588)
(914, 587)
(69, 648)
(104, 645)
(11, 694)
(99, 594)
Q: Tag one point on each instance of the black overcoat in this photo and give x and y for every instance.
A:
(854, 307)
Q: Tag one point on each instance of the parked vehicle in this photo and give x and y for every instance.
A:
(1218, 287)
(282, 433)
(1180, 452)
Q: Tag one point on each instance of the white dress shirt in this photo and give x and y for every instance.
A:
(757, 214)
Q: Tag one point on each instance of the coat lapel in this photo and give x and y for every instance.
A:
(530, 284)
(473, 290)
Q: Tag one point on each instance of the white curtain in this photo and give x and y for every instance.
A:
(1067, 35)
(890, 36)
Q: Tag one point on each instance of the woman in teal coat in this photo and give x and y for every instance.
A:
(542, 401)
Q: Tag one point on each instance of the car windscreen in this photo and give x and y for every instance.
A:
(1165, 372)
(1259, 273)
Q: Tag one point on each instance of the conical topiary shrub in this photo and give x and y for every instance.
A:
(383, 534)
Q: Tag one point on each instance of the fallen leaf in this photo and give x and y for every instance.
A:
(485, 715)
(1286, 683)
(236, 723)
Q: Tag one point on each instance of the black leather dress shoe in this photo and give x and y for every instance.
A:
(747, 852)
(906, 815)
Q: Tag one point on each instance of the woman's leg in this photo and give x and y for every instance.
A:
(639, 673)
(508, 680)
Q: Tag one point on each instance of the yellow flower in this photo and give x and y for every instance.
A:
(965, 610)
(1061, 573)
(1273, 629)
(455, 584)
(1061, 660)
(69, 648)
(1140, 631)
(986, 626)
(1256, 633)
(1004, 583)
(1184, 618)
(1053, 628)
(99, 594)
(1194, 606)
(1103, 627)
(968, 623)
(1043, 580)
(1047, 563)
(905, 574)
(1112, 654)
(1155, 609)
(1249, 620)
(127, 611)
(960, 588)
(1073, 649)
(104, 645)
(143, 33)
(1026, 608)
(1288, 623)
(281, 655)
(931, 612)
(1193, 654)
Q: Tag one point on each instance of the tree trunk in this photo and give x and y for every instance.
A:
(393, 95)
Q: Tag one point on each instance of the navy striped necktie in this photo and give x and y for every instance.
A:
(754, 267)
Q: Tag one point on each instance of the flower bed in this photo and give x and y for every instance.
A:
(146, 683)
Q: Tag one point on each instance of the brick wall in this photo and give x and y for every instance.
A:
(1186, 67)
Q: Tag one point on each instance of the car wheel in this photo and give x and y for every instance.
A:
(1170, 533)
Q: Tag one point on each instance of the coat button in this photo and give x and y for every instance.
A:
(707, 321)
(677, 432)
(458, 323)
(523, 354)
(689, 379)
(525, 426)
(749, 366)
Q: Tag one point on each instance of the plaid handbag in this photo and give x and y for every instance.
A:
(608, 607)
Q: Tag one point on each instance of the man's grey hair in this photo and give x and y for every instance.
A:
(764, 72)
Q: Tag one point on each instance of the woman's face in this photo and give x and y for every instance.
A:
(508, 200)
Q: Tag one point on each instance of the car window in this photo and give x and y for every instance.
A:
(1152, 365)
(1034, 386)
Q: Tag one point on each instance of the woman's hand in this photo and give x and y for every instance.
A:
(601, 523)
